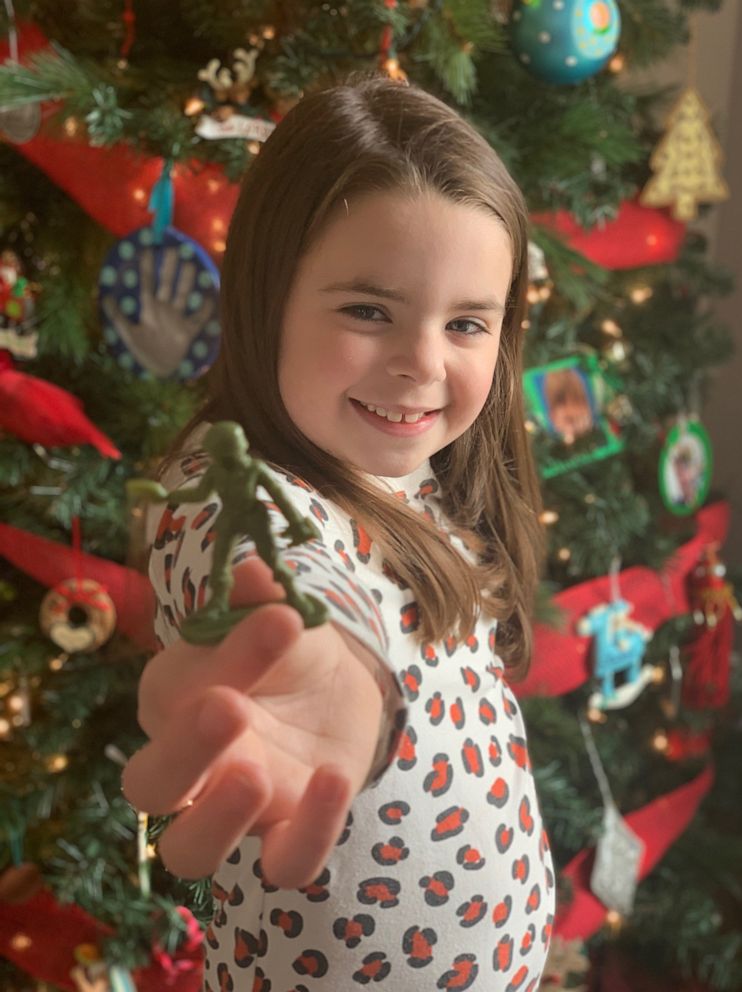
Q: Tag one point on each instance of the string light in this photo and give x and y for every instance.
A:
(525, 324)
(564, 554)
(660, 741)
(253, 147)
(20, 942)
(595, 715)
(549, 517)
(611, 327)
(614, 921)
(194, 105)
(590, 498)
(5, 728)
(139, 194)
(617, 63)
(393, 70)
(530, 426)
(71, 126)
(57, 762)
(533, 294)
(640, 294)
(617, 351)
(57, 664)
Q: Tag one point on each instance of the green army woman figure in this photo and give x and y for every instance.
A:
(234, 476)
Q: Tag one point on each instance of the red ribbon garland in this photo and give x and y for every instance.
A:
(51, 563)
(659, 824)
(561, 658)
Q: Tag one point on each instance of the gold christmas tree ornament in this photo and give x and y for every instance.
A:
(687, 162)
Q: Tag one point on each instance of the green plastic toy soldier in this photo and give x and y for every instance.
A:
(234, 476)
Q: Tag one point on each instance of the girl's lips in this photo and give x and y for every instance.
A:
(402, 429)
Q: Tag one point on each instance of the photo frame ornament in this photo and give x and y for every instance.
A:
(685, 466)
(567, 402)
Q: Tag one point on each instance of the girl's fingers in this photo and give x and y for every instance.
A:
(295, 851)
(204, 835)
(163, 775)
(256, 643)
(254, 583)
(242, 658)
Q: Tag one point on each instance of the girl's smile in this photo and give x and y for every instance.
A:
(397, 421)
(391, 330)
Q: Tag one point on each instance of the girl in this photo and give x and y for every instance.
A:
(362, 790)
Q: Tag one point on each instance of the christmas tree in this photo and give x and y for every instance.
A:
(126, 126)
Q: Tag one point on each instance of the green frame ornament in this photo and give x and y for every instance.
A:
(685, 467)
(566, 400)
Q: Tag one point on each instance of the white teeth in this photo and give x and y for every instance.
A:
(395, 418)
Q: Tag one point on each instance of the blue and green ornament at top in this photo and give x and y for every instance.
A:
(564, 41)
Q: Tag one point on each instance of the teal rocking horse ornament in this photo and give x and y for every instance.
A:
(618, 650)
(234, 476)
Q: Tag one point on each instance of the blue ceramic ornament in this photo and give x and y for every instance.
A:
(159, 304)
(618, 649)
(565, 41)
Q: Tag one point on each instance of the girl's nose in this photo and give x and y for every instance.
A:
(418, 355)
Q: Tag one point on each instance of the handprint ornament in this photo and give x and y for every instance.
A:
(159, 299)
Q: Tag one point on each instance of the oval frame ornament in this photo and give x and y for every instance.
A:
(685, 467)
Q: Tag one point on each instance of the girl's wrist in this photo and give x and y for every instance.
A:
(392, 708)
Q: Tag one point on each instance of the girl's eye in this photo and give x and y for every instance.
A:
(366, 311)
(363, 311)
(474, 327)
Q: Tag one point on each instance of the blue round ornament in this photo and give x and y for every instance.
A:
(565, 41)
(159, 304)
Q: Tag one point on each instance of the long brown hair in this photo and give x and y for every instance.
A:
(373, 135)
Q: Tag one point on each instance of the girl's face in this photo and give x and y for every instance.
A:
(397, 307)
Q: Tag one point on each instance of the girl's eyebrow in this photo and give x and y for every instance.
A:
(370, 289)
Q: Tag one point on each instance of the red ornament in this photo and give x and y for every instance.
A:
(684, 743)
(638, 236)
(714, 608)
(40, 936)
(711, 596)
(38, 412)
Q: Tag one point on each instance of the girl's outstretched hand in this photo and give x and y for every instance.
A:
(272, 732)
